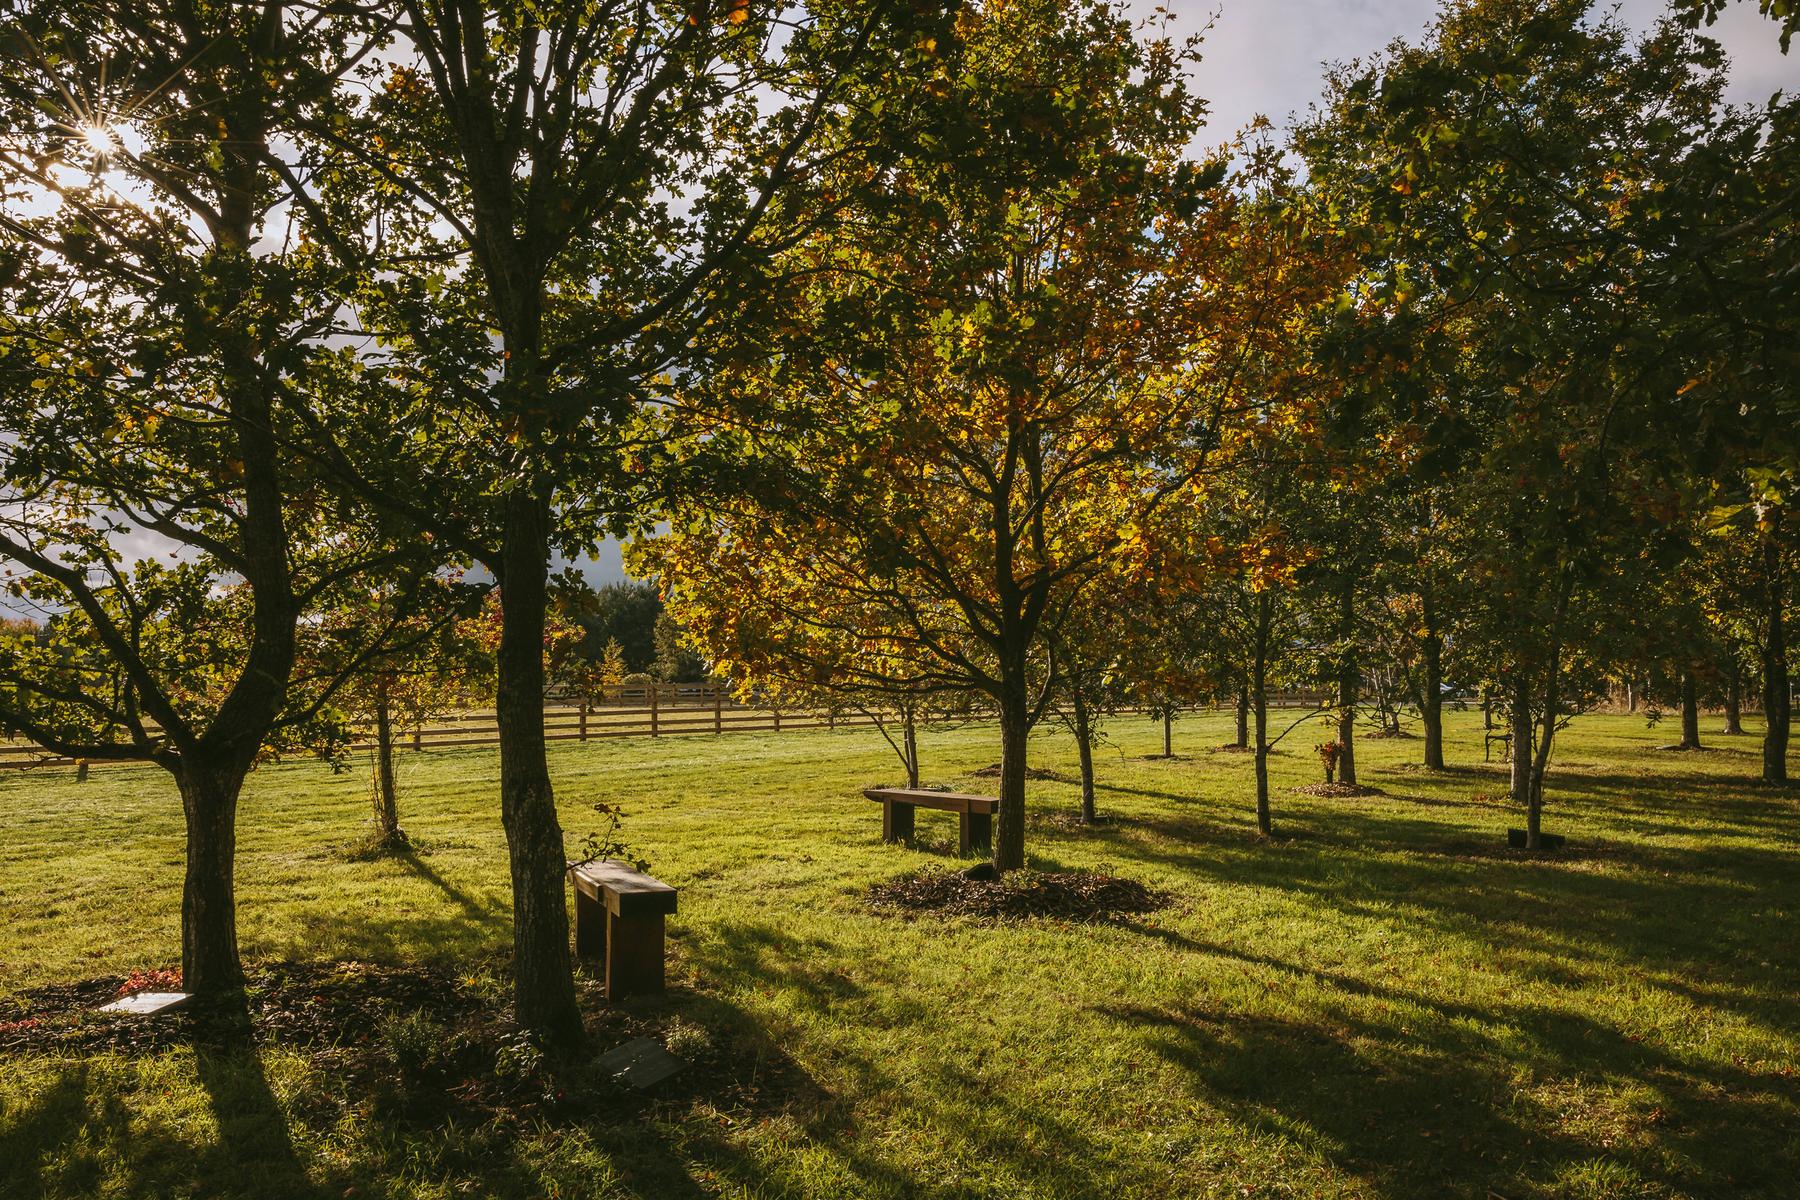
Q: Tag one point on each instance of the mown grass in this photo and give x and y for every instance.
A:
(1381, 1001)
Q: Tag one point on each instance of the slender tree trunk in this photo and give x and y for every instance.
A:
(387, 806)
(1243, 717)
(543, 980)
(1776, 700)
(1690, 710)
(1015, 736)
(1519, 716)
(1348, 679)
(1168, 733)
(1734, 699)
(1259, 700)
(1540, 759)
(909, 741)
(1084, 749)
(1431, 704)
(209, 953)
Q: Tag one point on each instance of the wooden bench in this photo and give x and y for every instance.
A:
(619, 915)
(898, 806)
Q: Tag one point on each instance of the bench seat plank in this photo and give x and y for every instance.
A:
(957, 802)
(624, 890)
(975, 814)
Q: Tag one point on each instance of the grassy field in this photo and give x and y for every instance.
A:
(1381, 1001)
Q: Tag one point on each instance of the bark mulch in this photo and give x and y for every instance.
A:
(1058, 895)
(422, 1046)
(993, 772)
(1337, 790)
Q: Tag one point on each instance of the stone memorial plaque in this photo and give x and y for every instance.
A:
(641, 1062)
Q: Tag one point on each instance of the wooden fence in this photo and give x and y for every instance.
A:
(634, 710)
(631, 710)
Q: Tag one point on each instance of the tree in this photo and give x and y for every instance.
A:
(545, 204)
(1469, 163)
(626, 613)
(985, 363)
(676, 661)
(155, 327)
(436, 656)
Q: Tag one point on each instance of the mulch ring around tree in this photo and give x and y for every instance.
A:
(993, 772)
(1058, 895)
(423, 1047)
(1337, 790)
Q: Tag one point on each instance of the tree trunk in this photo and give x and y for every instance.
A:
(1775, 664)
(1168, 733)
(1690, 710)
(1734, 699)
(543, 981)
(909, 741)
(1015, 734)
(1519, 717)
(387, 807)
(1084, 749)
(209, 953)
(1259, 700)
(1243, 717)
(1348, 678)
(1431, 704)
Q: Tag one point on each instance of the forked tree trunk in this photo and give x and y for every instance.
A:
(209, 953)
(1243, 717)
(1084, 749)
(1015, 735)
(1347, 683)
(543, 981)
(1259, 701)
(387, 805)
(1776, 701)
(1734, 699)
(1690, 710)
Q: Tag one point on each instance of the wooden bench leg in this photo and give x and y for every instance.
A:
(896, 821)
(590, 926)
(634, 955)
(977, 832)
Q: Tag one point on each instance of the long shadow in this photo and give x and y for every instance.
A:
(485, 912)
(254, 1154)
(1421, 1097)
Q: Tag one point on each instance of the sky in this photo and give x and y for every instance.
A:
(1268, 56)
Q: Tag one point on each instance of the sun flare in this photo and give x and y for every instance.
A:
(99, 139)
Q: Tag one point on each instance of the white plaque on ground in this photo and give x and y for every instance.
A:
(144, 1004)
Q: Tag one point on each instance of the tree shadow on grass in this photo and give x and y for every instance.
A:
(977, 1135)
(1426, 1098)
(87, 1133)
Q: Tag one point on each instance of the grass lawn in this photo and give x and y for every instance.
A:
(1382, 1001)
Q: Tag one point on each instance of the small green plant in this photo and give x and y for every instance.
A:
(685, 1039)
(605, 842)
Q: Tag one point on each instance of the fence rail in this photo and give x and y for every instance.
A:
(632, 710)
(661, 710)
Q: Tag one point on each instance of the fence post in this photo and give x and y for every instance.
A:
(655, 692)
(777, 713)
(718, 709)
(584, 708)
(418, 738)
